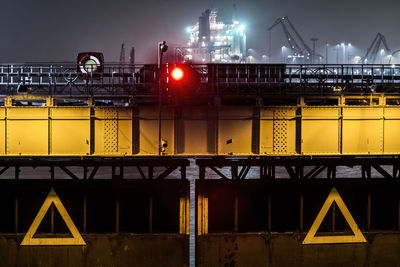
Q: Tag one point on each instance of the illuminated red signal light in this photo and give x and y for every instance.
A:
(182, 79)
(177, 74)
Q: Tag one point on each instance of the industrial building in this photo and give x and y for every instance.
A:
(214, 41)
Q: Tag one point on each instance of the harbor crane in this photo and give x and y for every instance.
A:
(372, 51)
(301, 51)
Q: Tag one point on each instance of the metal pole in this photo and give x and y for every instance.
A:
(269, 49)
(313, 52)
(161, 48)
(326, 53)
(337, 54)
(344, 54)
(159, 95)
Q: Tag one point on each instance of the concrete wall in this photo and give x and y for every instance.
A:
(252, 249)
(382, 249)
(102, 250)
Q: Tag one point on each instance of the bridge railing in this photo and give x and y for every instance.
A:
(64, 79)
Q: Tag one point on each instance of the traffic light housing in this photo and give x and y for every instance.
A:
(90, 64)
(182, 79)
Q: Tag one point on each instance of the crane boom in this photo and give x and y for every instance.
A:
(306, 47)
(373, 49)
(292, 42)
(294, 39)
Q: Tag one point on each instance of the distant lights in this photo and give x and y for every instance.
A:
(223, 38)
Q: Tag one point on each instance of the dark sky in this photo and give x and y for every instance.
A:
(53, 30)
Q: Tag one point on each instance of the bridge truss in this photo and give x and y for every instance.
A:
(140, 81)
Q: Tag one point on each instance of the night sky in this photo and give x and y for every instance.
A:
(52, 30)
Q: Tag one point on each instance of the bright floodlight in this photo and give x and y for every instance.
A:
(177, 74)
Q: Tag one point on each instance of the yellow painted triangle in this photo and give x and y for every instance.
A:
(76, 240)
(357, 236)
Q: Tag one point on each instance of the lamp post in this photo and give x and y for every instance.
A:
(161, 49)
(337, 54)
(326, 53)
(264, 58)
(314, 40)
(344, 53)
(283, 53)
(349, 51)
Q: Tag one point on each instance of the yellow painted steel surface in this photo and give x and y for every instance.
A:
(184, 215)
(234, 130)
(278, 131)
(196, 123)
(391, 129)
(202, 215)
(363, 130)
(148, 130)
(27, 131)
(70, 131)
(49, 130)
(320, 130)
(113, 131)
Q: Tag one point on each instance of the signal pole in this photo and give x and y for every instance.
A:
(161, 48)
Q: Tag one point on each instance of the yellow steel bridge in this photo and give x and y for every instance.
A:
(371, 127)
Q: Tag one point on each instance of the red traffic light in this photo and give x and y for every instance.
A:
(183, 79)
(177, 74)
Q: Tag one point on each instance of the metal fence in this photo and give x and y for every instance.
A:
(123, 80)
